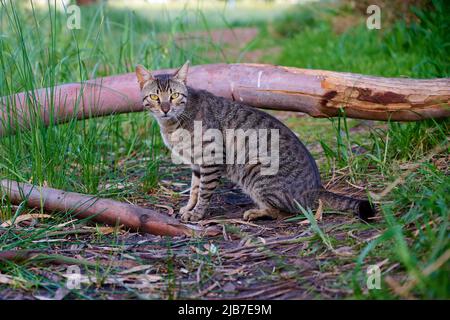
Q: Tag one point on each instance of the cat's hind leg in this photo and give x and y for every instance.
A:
(269, 205)
(254, 214)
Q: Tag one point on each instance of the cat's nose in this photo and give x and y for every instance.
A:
(165, 107)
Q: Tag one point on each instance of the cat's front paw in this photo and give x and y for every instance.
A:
(185, 209)
(191, 215)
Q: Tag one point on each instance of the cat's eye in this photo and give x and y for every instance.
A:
(154, 97)
(175, 95)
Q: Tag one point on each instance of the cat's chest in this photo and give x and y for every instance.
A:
(179, 143)
(168, 138)
(173, 134)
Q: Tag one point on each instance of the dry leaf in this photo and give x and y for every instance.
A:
(317, 215)
(319, 211)
(344, 251)
(103, 230)
(132, 281)
(7, 279)
(136, 269)
(25, 217)
(107, 230)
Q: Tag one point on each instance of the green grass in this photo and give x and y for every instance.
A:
(416, 50)
(118, 156)
(416, 212)
(37, 50)
(219, 14)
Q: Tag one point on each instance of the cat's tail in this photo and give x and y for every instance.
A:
(363, 208)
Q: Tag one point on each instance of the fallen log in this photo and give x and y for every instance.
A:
(101, 210)
(315, 92)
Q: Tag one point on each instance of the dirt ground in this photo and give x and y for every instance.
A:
(281, 259)
(249, 260)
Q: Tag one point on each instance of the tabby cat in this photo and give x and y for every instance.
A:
(175, 105)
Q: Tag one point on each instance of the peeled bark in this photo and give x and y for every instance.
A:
(101, 210)
(315, 92)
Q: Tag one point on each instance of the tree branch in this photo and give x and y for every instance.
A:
(315, 92)
(101, 210)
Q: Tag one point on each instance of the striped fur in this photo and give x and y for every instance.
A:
(297, 179)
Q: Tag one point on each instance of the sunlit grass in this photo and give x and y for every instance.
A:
(415, 213)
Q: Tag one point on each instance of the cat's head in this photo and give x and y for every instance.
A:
(164, 95)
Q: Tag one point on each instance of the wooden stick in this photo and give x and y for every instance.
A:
(101, 210)
(19, 256)
(315, 92)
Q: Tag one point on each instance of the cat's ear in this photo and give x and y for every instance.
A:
(143, 75)
(181, 74)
